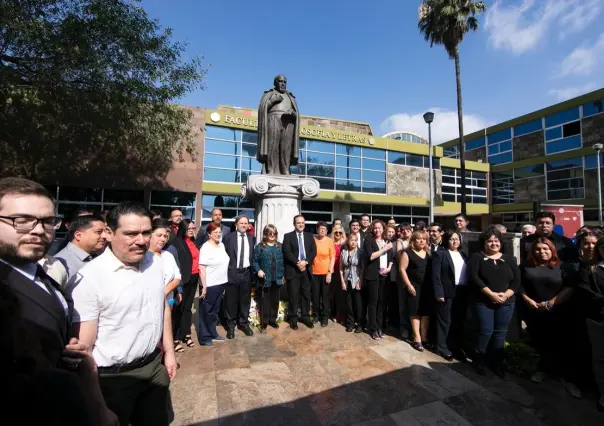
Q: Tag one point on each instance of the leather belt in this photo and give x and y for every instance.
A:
(137, 363)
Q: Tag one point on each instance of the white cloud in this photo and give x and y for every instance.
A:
(520, 27)
(583, 60)
(566, 93)
(444, 127)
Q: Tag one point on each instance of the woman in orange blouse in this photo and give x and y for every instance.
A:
(322, 269)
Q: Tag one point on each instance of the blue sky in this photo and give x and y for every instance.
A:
(366, 60)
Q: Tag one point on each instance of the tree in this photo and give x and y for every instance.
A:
(447, 22)
(86, 86)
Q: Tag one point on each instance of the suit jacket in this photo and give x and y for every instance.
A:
(184, 258)
(202, 235)
(590, 288)
(443, 273)
(41, 312)
(291, 253)
(567, 251)
(230, 241)
(372, 268)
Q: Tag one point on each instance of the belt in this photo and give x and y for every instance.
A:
(243, 269)
(137, 363)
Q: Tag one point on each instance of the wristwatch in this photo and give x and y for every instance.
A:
(548, 306)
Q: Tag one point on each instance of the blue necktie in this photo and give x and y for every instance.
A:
(301, 247)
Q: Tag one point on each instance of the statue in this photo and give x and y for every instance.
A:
(278, 130)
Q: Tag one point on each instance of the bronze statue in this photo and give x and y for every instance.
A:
(278, 130)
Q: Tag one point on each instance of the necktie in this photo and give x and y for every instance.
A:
(241, 252)
(301, 247)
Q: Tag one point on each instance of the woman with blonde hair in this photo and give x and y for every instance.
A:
(413, 266)
(338, 302)
(268, 265)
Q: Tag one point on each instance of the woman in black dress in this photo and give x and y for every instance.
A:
(413, 265)
(545, 289)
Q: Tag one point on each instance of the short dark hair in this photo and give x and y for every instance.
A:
(353, 221)
(21, 186)
(440, 227)
(447, 236)
(81, 211)
(543, 214)
(160, 223)
(82, 223)
(463, 216)
(365, 215)
(156, 213)
(241, 216)
(336, 219)
(420, 224)
(321, 223)
(490, 232)
(404, 225)
(297, 216)
(124, 208)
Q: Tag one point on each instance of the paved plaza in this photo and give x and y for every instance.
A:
(326, 376)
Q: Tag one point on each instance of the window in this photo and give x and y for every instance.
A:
(230, 155)
(502, 187)
(526, 128)
(571, 129)
(476, 186)
(565, 179)
(591, 161)
(563, 131)
(231, 207)
(315, 211)
(593, 108)
(414, 160)
(451, 152)
(166, 201)
(528, 172)
(562, 117)
(384, 212)
(499, 147)
(475, 143)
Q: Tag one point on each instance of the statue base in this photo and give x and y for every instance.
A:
(277, 200)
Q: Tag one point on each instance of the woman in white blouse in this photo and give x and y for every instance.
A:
(213, 274)
(159, 238)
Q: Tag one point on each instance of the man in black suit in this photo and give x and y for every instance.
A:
(299, 251)
(202, 235)
(545, 222)
(435, 232)
(27, 224)
(239, 246)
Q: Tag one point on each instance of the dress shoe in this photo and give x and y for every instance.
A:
(308, 323)
(293, 325)
(315, 320)
(428, 346)
(273, 324)
(349, 329)
(358, 329)
(262, 329)
(448, 356)
(324, 323)
(231, 334)
(246, 330)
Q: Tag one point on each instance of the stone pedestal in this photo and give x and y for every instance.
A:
(277, 200)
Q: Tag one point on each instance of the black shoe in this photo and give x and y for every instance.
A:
(428, 346)
(324, 323)
(293, 325)
(358, 329)
(349, 329)
(308, 323)
(381, 334)
(246, 330)
(273, 324)
(417, 346)
(262, 329)
(499, 371)
(231, 334)
(375, 335)
(315, 320)
(448, 356)
(478, 364)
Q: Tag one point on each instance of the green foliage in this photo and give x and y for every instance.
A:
(521, 358)
(87, 86)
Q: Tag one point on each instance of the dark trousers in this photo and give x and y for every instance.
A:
(404, 323)
(443, 323)
(140, 396)
(208, 314)
(493, 322)
(338, 298)
(354, 306)
(270, 303)
(391, 314)
(237, 299)
(595, 331)
(320, 298)
(375, 304)
(182, 313)
(297, 286)
(456, 340)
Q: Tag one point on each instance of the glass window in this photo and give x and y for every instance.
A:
(374, 176)
(378, 154)
(317, 170)
(591, 161)
(221, 161)
(220, 175)
(505, 146)
(506, 157)
(571, 129)
(348, 185)
(320, 146)
(360, 208)
(317, 206)
(345, 173)
(529, 171)
(250, 164)
(493, 149)
(118, 195)
(72, 193)
(562, 117)
(325, 183)
(221, 147)
(374, 164)
(564, 164)
(220, 201)
(172, 198)
(499, 136)
(379, 188)
(593, 108)
(344, 149)
(319, 158)
(396, 157)
(566, 194)
(300, 169)
(530, 127)
(401, 210)
(342, 161)
(250, 137)
(302, 156)
(553, 133)
(475, 143)
(415, 160)
(561, 145)
(249, 150)
(216, 132)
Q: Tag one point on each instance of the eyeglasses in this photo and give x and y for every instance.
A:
(27, 223)
(337, 233)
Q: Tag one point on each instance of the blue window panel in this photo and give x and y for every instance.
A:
(300, 169)
(250, 137)
(565, 164)
(378, 154)
(506, 157)
(493, 149)
(415, 160)
(249, 150)
(215, 132)
(396, 157)
(342, 161)
(302, 144)
(348, 150)
(325, 183)
(345, 185)
(222, 147)
(320, 146)
(593, 108)
(505, 146)
(374, 164)
(475, 143)
(529, 171)
(499, 136)
(554, 133)
(374, 176)
(530, 127)
(222, 161)
(435, 162)
(344, 173)
(379, 188)
(316, 170)
(319, 158)
(561, 145)
(250, 164)
(562, 117)
(217, 175)
(591, 161)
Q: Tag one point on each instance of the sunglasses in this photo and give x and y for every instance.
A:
(337, 233)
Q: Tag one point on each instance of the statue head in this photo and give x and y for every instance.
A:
(280, 83)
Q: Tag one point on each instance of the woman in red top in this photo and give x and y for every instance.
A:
(338, 301)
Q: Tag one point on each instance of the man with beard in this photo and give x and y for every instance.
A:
(27, 224)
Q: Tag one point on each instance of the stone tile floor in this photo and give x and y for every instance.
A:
(326, 376)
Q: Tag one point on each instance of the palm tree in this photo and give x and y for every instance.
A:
(446, 22)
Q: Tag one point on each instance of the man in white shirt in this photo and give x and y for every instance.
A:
(120, 310)
(239, 245)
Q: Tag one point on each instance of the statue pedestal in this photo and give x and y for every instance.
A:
(277, 200)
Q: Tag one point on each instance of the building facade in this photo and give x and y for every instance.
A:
(544, 156)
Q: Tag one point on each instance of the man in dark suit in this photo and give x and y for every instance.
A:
(435, 233)
(239, 246)
(299, 251)
(27, 224)
(202, 235)
(545, 222)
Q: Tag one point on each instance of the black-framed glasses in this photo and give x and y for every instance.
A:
(27, 223)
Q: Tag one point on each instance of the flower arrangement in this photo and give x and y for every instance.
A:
(254, 316)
